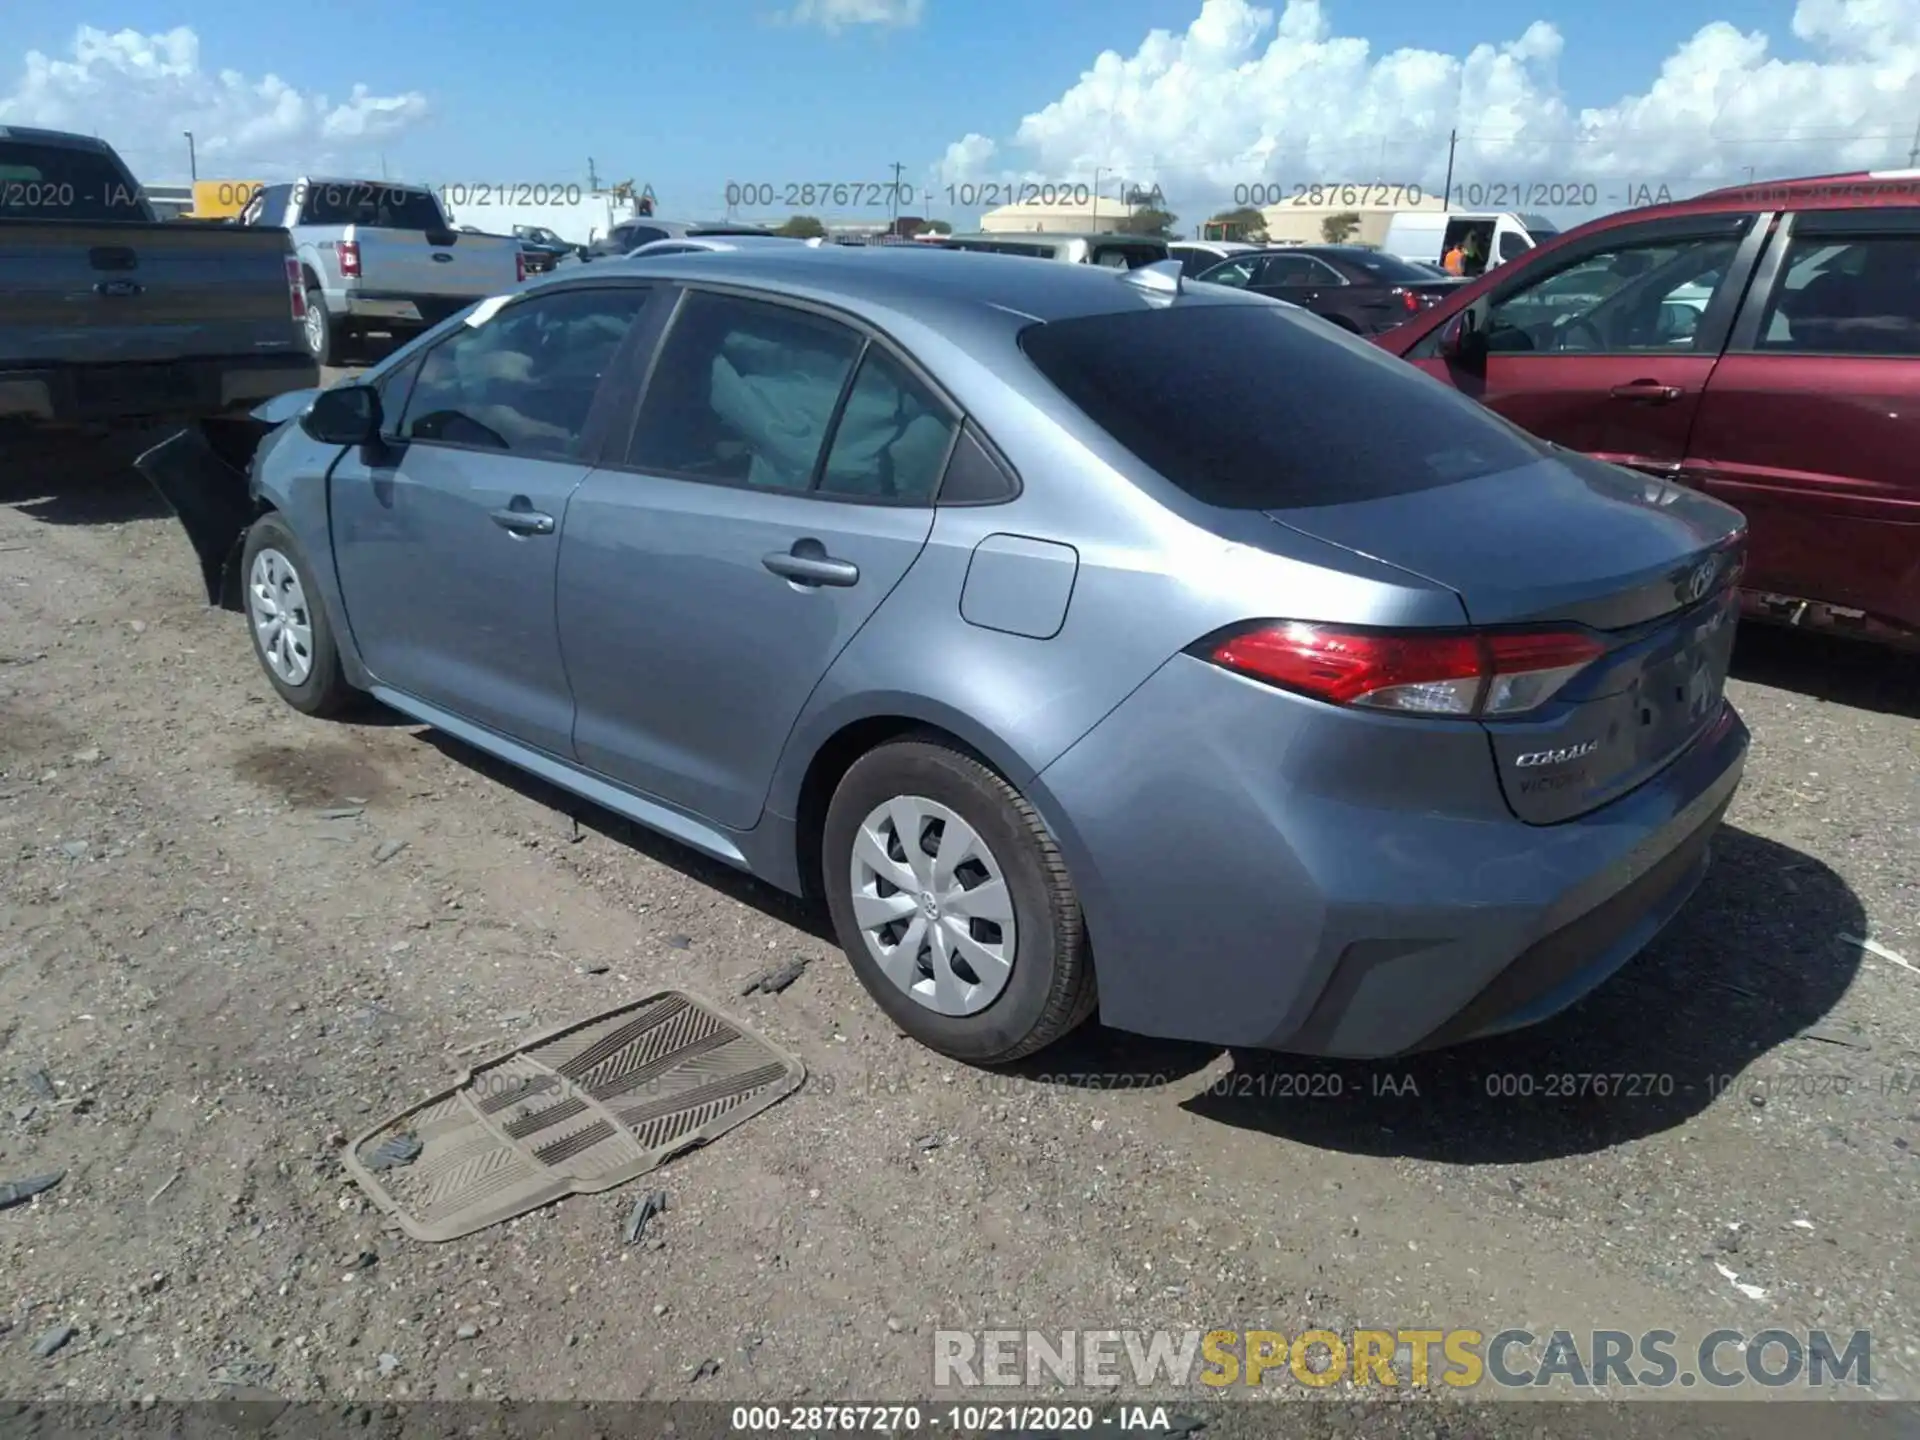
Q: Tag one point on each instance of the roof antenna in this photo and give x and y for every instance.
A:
(1161, 278)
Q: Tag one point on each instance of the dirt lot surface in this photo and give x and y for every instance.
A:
(221, 982)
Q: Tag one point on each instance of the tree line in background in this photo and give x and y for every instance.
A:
(1248, 224)
(1241, 223)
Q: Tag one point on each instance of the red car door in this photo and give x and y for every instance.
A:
(1608, 345)
(1811, 422)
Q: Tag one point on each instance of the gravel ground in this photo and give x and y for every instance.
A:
(220, 982)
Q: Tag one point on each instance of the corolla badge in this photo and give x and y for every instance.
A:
(1556, 757)
(1698, 581)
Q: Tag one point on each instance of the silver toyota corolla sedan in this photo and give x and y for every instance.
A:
(1085, 640)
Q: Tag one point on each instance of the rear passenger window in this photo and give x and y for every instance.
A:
(892, 439)
(1847, 296)
(743, 392)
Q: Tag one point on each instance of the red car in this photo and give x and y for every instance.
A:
(1760, 343)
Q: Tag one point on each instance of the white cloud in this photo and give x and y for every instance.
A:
(838, 14)
(139, 92)
(1241, 97)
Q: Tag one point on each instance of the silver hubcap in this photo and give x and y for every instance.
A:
(316, 327)
(282, 628)
(932, 905)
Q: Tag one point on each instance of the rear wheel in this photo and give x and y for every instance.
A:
(323, 336)
(953, 904)
(291, 635)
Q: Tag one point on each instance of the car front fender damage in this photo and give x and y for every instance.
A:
(204, 473)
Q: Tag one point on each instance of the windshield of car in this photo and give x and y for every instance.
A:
(1387, 269)
(63, 182)
(1251, 406)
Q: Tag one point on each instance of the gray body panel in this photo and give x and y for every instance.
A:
(1256, 867)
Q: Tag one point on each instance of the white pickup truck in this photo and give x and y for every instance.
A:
(380, 258)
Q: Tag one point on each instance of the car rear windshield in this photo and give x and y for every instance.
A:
(1252, 407)
(59, 182)
(378, 207)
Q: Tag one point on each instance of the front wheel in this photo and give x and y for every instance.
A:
(292, 638)
(953, 904)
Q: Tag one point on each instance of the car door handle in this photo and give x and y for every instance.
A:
(521, 521)
(809, 564)
(1652, 392)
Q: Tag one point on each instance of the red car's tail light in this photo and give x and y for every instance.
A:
(1410, 302)
(349, 253)
(296, 289)
(1411, 671)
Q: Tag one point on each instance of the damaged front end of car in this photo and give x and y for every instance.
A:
(205, 473)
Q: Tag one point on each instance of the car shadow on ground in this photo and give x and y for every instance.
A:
(1836, 668)
(1751, 964)
(589, 817)
(78, 481)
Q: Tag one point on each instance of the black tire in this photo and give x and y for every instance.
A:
(324, 690)
(323, 339)
(1050, 989)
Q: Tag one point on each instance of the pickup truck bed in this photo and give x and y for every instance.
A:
(107, 321)
(111, 317)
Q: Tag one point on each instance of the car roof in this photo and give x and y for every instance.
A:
(935, 287)
(716, 243)
(67, 139)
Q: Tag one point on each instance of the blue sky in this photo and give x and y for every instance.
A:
(688, 97)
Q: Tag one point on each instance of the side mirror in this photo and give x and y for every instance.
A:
(344, 415)
(1463, 340)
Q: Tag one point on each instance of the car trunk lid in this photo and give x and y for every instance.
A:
(1648, 568)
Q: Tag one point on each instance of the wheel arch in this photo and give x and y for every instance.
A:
(804, 787)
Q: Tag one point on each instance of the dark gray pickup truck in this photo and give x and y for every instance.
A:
(110, 317)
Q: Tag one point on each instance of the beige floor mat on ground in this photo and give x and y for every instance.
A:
(579, 1109)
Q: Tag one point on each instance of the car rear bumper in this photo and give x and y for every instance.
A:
(169, 390)
(1261, 870)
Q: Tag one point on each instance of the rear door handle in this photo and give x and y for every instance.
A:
(519, 519)
(1651, 392)
(808, 563)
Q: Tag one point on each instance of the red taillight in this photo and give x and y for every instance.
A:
(349, 253)
(519, 266)
(1410, 671)
(296, 289)
(1410, 301)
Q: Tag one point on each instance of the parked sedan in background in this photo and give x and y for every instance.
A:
(1353, 737)
(1365, 291)
(1198, 256)
(1760, 343)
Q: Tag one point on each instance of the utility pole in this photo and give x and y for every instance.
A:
(193, 165)
(1096, 198)
(1913, 155)
(593, 180)
(894, 194)
(1453, 140)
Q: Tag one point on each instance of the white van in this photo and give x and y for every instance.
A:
(1427, 235)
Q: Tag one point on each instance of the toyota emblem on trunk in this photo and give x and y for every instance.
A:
(1698, 582)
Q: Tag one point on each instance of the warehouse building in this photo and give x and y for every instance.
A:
(1096, 217)
(1302, 219)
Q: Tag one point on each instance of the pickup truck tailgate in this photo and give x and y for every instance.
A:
(447, 262)
(97, 293)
